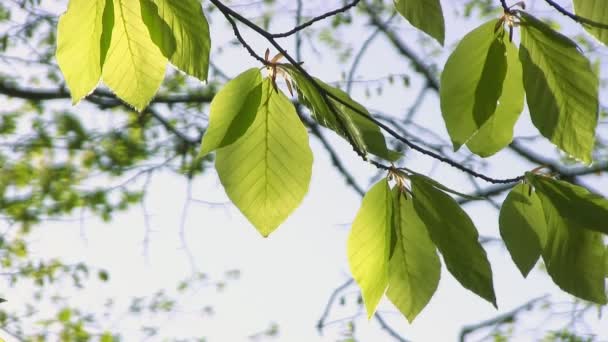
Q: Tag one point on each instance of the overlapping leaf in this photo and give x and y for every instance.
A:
(79, 47)
(572, 252)
(134, 66)
(414, 268)
(426, 15)
(522, 227)
(574, 203)
(369, 244)
(497, 131)
(481, 91)
(128, 43)
(232, 110)
(455, 236)
(561, 88)
(184, 34)
(595, 10)
(267, 171)
(342, 119)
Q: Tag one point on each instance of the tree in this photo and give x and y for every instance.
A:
(259, 126)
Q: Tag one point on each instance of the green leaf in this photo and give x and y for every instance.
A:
(184, 34)
(572, 253)
(64, 315)
(414, 268)
(497, 131)
(267, 171)
(106, 337)
(103, 275)
(365, 134)
(232, 110)
(481, 91)
(79, 49)
(595, 10)
(574, 203)
(134, 66)
(454, 234)
(425, 15)
(561, 88)
(522, 227)
(369, 244)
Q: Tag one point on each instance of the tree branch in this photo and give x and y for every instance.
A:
(330, 302)
(402, 48)
(508, 316)
(230, 14)
(316, 19)
(62, 93)
(388, 328)
(577, 18)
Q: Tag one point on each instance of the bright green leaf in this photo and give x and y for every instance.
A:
(185, 34)
(595, 10)
(267, 171)
(561, 88)
(106, 337)
(574, 203)
(522, 227)
(414, 268)
(481, 90)
(64, 315)
(134, 66)
(233, 110)
(572, 253)
(425, 15)
(350, 123)
(79, 48)
(369, 244)
(497, 131)
(454, 234)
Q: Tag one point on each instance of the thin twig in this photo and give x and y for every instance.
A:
(388, 328)
(329, 97)
(508, 316)
(330, 302)
(323, 16)
(577, 18)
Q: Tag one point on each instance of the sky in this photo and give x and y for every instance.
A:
(287, 278)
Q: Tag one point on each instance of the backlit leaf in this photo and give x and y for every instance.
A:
(522, 227)
(184, 32)
(497, 132)
(481, 91)
(595, 10)
(572, 253)
(232, 110)
(365, 134)
(426, 15)
(561, 88)
(134, 66)
(267, 171)
(369, 244)
(454, 234)
(575, 203)
(79, 48)
(414, 268)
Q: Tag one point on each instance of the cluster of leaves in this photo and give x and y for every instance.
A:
(264, 161)
(129, 44)
(395, 235)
